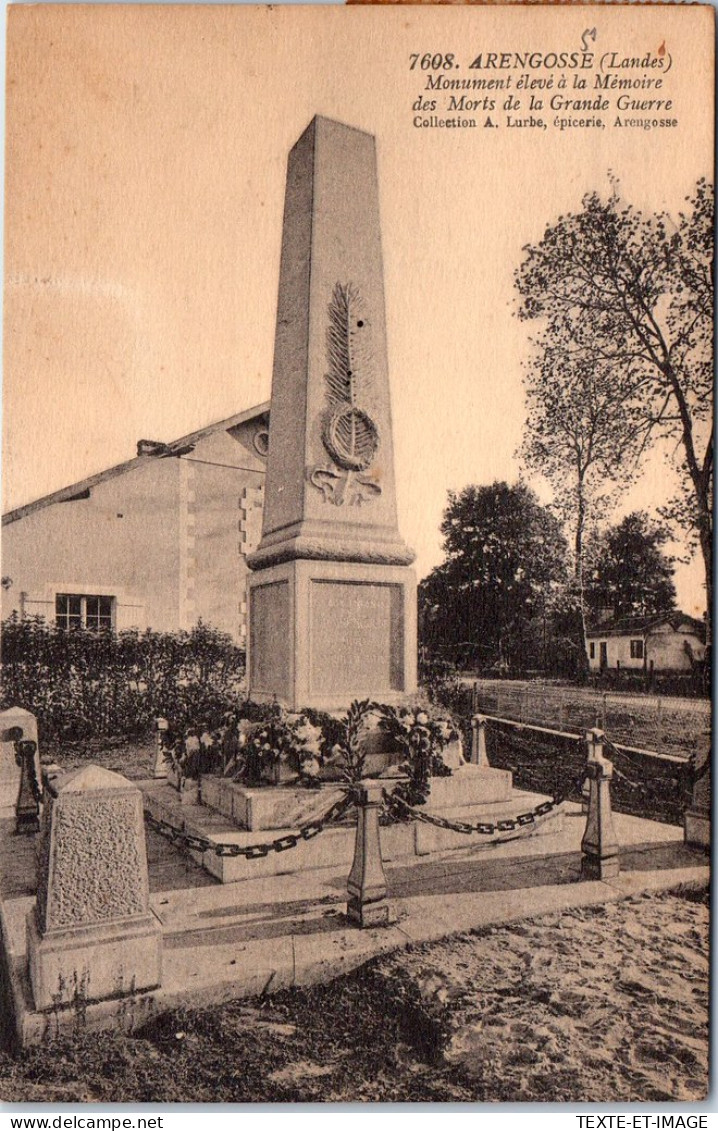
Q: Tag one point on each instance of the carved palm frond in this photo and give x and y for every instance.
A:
(348, 348)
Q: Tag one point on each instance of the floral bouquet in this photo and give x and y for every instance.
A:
(283, 748)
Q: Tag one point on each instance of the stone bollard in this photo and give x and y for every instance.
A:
(367, 905)
(697, 819)
(27, 807)
(589, 745)
(91, 935)
(479, 757)
(160, 767)
(15, 723)
(599, 846)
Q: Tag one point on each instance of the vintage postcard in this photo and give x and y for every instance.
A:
(357, 554)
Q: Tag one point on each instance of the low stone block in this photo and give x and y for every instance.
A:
(470, 785)
(277, 808)
(92, 935)
(334, 846)
(211, 792)
(280, 808)
(93, 963)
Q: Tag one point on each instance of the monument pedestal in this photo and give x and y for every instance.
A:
(332, 600)
(91, 934)
(323, 633)
(92, 963)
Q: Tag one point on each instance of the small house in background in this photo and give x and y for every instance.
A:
(673, 642)
(157, 542)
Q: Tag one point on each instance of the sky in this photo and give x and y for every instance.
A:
(146, 155)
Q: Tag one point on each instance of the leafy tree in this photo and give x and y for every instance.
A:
(632, 574)
(505, 565)
(583, 432)
(624, 352)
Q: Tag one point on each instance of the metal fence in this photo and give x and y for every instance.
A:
(647, 722)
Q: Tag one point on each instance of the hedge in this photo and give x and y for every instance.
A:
(83, 685)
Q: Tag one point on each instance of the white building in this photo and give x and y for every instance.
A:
(158, 542)
(671, 642)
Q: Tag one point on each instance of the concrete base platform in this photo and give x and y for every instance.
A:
(285, 807)
(470, 786)
(335, 846)
(267, 807)
(228, 941)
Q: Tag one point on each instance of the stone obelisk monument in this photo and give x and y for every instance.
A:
(332, 600)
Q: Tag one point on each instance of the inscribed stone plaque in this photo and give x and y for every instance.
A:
(270, 624)
(364, 649)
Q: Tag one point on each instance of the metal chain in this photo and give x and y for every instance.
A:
(47, 785)
(629, 784)
(615, 751)
(35, 785)
(611, 746)
(485, 828)
(251, 851)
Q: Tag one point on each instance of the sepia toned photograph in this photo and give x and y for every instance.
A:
(356, 561)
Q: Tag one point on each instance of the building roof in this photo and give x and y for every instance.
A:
(643, 626)
(147, 449)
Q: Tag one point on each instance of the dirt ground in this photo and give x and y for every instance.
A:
(608, 1004)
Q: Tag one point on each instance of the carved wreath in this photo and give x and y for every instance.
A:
(349, 434)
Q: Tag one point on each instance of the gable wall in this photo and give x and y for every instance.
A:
(221, 506)
(122, 541)
(167, 539)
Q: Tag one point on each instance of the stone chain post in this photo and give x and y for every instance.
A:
(27, 808)
(697, 818)
(367, 905)
(599, 847)
(585, 788)
(160, 767)
(479, 757)
(16, 724)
